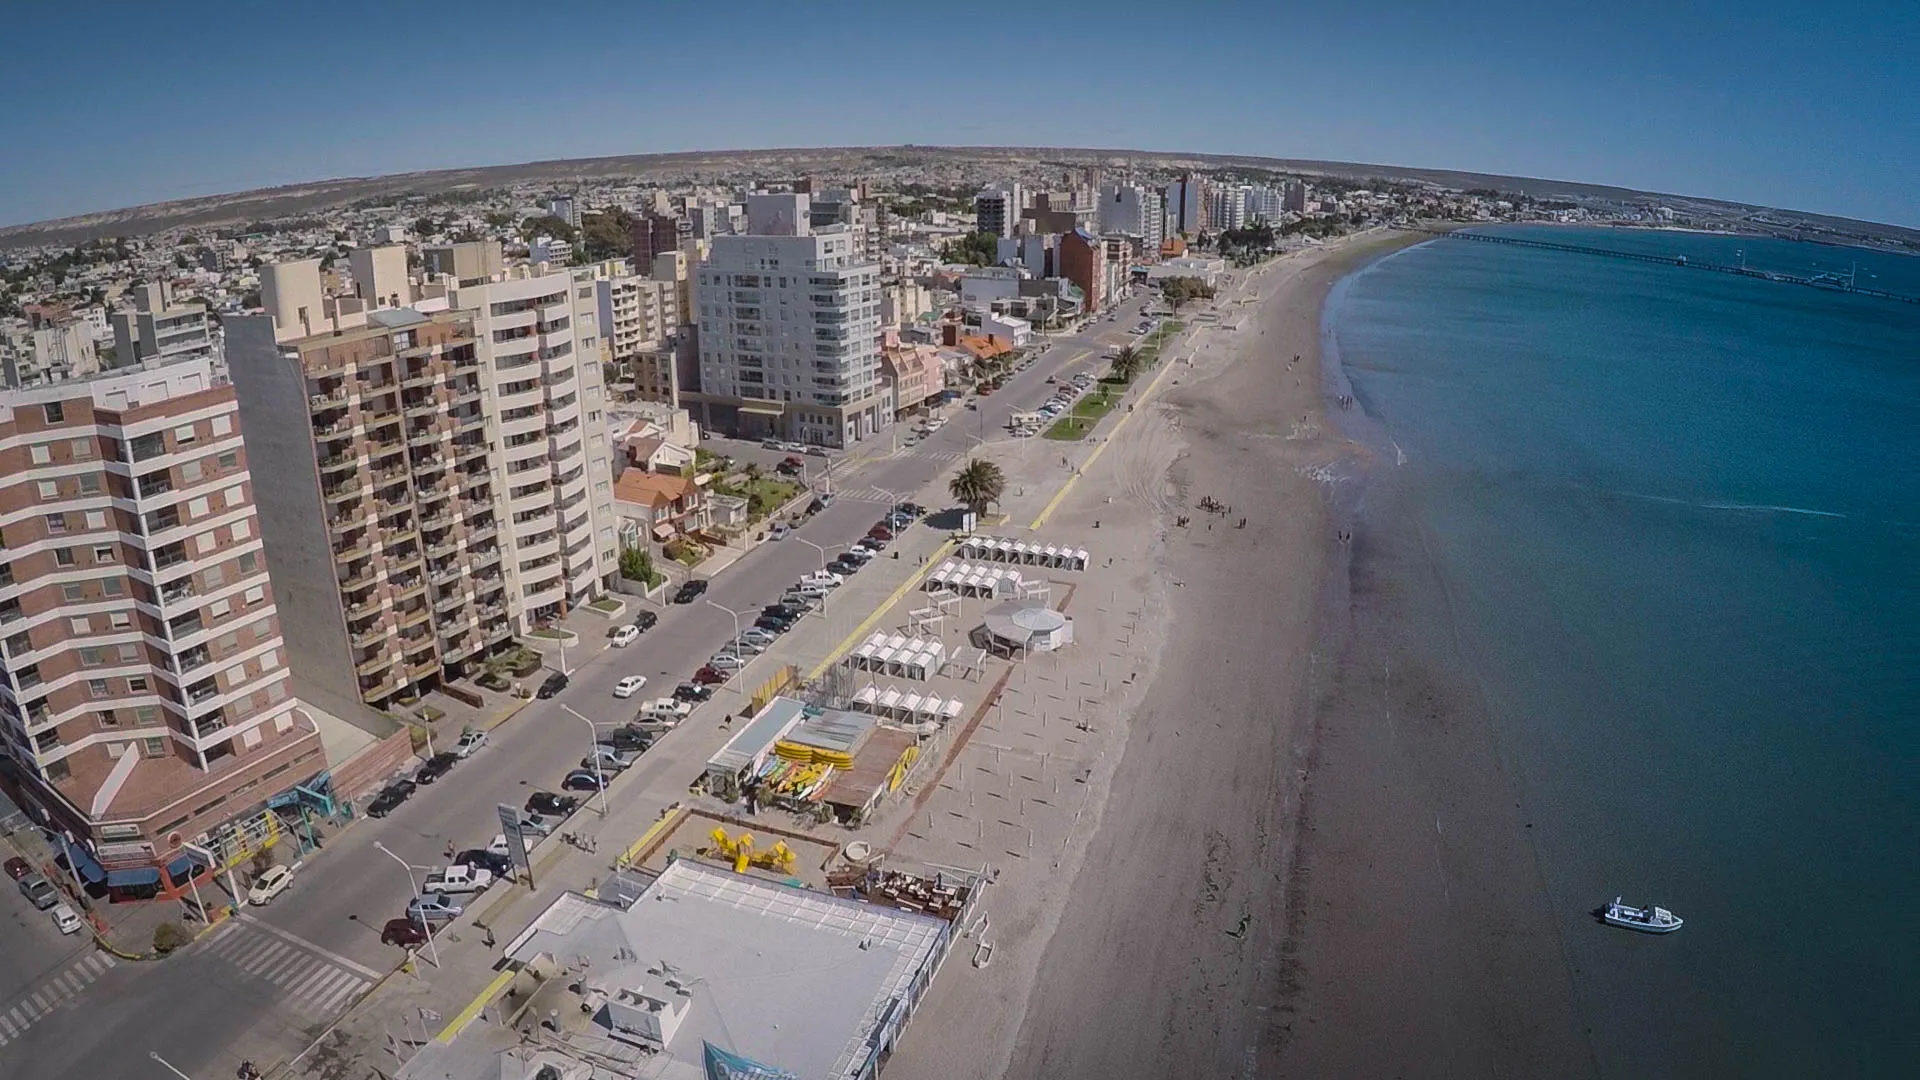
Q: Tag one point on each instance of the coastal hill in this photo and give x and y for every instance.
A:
(954, 163)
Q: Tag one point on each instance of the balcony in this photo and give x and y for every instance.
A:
(335, 462)
(428, 463)
(424, 435)
(342, 490)
(481, 558)
(332, 399)
(450, 603)
(374, 663)
(202, 692)
(358, 580)
(413, 617)
(372, 636)
(196, 657)
(364, 609)
(411, 585)
(444, 573)
(349, 518)
(386, 478)
(425, 668)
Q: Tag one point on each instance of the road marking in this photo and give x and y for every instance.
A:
(65, 978)
(17, 1017)
(255, 963)
(296, 939)
(39, 1007)
(465, 1016)
(8, 1024)
(338, 996)
(288, 967)
(866, 624)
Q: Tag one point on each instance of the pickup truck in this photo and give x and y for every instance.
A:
(662, 713)
(459, 878)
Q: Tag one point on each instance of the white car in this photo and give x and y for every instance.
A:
(65, 919)
(725, 662)
(793, 447)
(629, 686)
(779, 531)
(824, 577)
(622, 636)
(275, 881)
(459, 879)
(469, 742)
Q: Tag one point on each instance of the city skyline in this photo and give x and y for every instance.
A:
(236, 99)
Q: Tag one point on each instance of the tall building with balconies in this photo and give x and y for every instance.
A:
(382, 521)
(639, 318)
(540, 355)
(789, 330)
(159, 330)
(146, 695)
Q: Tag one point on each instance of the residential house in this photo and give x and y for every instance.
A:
(660, 505)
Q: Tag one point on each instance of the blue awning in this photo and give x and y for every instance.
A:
(184, 868)
(84, 863)
(133, 877)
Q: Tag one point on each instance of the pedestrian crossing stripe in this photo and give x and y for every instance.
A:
(307, 979)
(53, 992)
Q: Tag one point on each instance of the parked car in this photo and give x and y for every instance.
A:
(912, 508)
(779, 531)
(402, 932)
(857, 554)
(435, 767)
(276, 880)
(880, 532)
(844, 566)
(554, 683)
(610, 759)
(759, 636)
(711, 676)
(644, 621)
(793, 447)
(18, 868)
(663, 712)
(771, 444)
(726, 662)
(796, 603)
(773, 624)
(871, 543)
(583, 780)
(622, 636)
(817, 451)
(499, 865)
(690, 591)
(470, 741)
(390, 797)
(434, 907)
(39, 892)
(546, 802)
(692, 691)
(65, 919)
(629, 686)
(459, 878)
(626, 739)
(824, 577)
(744, 648)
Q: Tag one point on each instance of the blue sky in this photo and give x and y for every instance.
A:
(1811, 107)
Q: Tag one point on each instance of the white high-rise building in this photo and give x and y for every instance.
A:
(1264, 203)
(1132, 210)
(1227, 208)
(789, 319)
(540, 353)
(997, 210)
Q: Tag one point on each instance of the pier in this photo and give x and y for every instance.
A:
(1828, 282)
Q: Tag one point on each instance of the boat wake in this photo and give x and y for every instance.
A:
(1745, 508)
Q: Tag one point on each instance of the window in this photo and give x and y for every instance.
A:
(204, 542)
(72, 592)
(97, 688)
(41, 455)
(232, 496)
(241, 530)
(228, 642)
(63, 556)
(89, 484)
(108, 718)
(214, 576)
(129, 653)
(270, 660)
(255, 595)
(112, 586)
(183, 435)
(81, 449)
(80, 626)
(49, 489)
(147, 715)
(229, 460)
(56, 412)
(261, 629)
(277, 692)
(249, 563)
(223, 425)
(190, 472)
(56, 523)
(155, 747)
(198, 508)
(137, 684)
(120, 620)
(91, 657)
(103, 553)
(96, 519)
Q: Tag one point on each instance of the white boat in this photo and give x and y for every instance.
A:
(1650, 920)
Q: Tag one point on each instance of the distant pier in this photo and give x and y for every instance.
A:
(1827, 282)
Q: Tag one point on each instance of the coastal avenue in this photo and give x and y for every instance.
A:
(193, 1007)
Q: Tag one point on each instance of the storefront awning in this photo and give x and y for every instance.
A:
(133, 877)
(85, 864)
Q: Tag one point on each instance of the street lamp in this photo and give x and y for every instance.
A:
(168, 1065)
(425, 923)
(593, 751)
(729, 611)
(823, 565)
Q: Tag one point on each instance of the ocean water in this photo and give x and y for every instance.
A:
(1677, 519)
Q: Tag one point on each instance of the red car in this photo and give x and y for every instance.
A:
(708, 676)
(18, 868)
(880, 532)
(402, 932)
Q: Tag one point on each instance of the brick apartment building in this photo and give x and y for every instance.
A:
(145, 694)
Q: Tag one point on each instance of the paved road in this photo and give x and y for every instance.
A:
(270, 983)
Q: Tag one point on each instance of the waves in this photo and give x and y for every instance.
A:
(1744, 508)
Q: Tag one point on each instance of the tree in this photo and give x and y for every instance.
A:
(1179, 290)
(167, 937)
(636, 564)
(978, 484)
(607, 235)
(425, 228)
(547, 225)
(973, 249)
(1127, 363)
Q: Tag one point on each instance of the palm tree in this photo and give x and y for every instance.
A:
(978, 484)
(1126, 363)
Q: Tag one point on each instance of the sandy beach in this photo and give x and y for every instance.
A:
(1277, 853)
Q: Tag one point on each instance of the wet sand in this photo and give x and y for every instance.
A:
(1310, 862)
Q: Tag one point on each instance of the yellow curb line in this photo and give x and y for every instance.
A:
(1087, 465)
(634, 850)
(466, 1015)
(867, 624)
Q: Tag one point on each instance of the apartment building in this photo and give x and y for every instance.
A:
(51, 352)
(654, 234)
(158, 330)
(997, 210)
(146, 696)
(639, 318)
(1227, 206)
(1132, 210)
(1083, 261)
(789, 330)
(1186, 201)
(382, 523)
(538, 341)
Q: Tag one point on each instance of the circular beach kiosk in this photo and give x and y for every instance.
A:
(1022, 627)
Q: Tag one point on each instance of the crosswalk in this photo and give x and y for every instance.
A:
(307, 978)
(53, 992)
(926, 454)
(866, 494)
